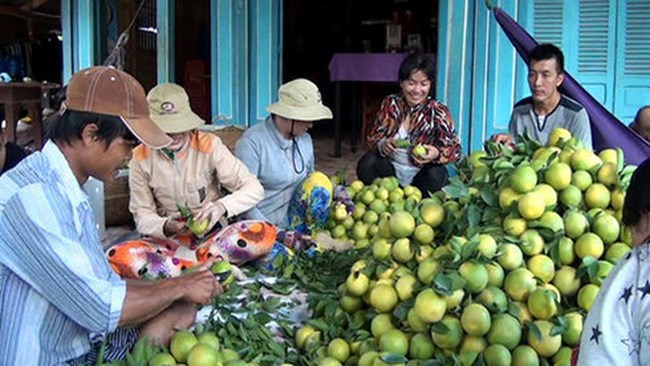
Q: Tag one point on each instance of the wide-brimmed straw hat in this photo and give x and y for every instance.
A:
(107, 90)
(169, 108)
(300, 100)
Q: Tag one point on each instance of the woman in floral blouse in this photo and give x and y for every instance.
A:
(405, 121)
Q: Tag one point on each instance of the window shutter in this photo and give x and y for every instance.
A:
(593, 35)
(547, 24)
(637, 38)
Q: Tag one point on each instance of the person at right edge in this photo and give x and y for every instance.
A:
(412, 117)
(617, 328)
(546, 109)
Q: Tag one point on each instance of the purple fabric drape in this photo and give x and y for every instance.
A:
(607, 131)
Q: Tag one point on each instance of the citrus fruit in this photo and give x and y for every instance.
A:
(531, 242)
(607, 227)
(552, 220)
(510, 256)
(452, 338)
(505, 330)
(210, 339)
(383, 298)
(494, 299)
(531, 206)
(424, 234)
(357, 283)
(542, 303)
(566, 281)
(523, 179)
(519, 283)
(589, 244)
(472, 344)
(565, 250)
(581, 179)
(571, 196)
(432, 214)
(427, 269)
(475, 275)
(302, 334)
(487, 246)
(542, 267)
(339, 349)
(162, 359)
(548, 345)
(495, 274)
(380, 324)
(402, 224)
(497, 355)
(507, 197)
(520, 311)
(585, 159)
(597, 196)
(575, 224)
(587, 296)
(514, 226)
(414, 322)
(351, 304)
(616, 251)
(475, 319)
(607, 174)
(454, 300)
(525, 355)
(368, 358)
(429, 306)
(181, 344)
(328, 361)
(618, 198)
(394, 341)
(402, 251)
(405, 286)
(571, 335)
(229, 354)
(548, 194)
(421, 347)
(558, 175)
(203, 355)
(558, 136)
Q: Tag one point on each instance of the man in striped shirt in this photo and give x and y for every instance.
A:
(58, 294)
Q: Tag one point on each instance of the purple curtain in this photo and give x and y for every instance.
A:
(607, 131)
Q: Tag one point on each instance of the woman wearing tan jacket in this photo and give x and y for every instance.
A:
(190, 172)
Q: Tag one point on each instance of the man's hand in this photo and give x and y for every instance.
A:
(386, 148)
(201, 287)
(503, 138)
(174, 225)
(213, 212)
(431, 154)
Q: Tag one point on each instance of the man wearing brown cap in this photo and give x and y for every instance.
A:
(59, 298)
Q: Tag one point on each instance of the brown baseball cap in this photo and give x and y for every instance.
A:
(107, 90)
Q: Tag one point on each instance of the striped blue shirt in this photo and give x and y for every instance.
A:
(56, 287)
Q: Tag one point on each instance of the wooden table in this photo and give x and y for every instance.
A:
(26, 95)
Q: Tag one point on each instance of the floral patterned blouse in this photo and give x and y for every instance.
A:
(430, 123)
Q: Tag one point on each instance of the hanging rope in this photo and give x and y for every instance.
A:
(116, 58)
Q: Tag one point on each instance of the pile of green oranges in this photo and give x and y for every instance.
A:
(499, 268)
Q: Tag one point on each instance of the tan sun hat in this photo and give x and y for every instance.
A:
(107, 90)
(169, 108)
(300, 100)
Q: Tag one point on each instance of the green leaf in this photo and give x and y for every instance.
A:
(473, 215)
(456, 189)
(440, 328)
(490, 197)
(532, 327)
(393, 358)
